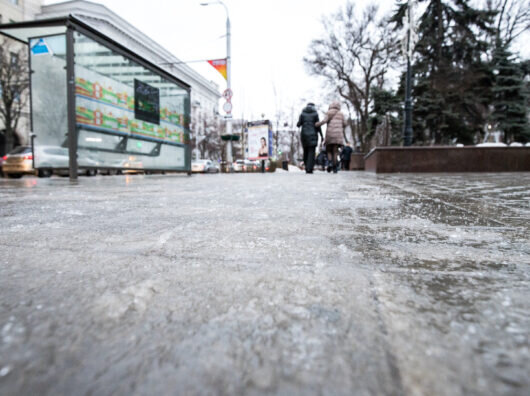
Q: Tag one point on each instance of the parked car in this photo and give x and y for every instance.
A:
(204, 166)
(215, 168)
(238, 166)
(226, 167)
(1, 162)
(18, 162)
(249, 166)
(132, 165)
(109, 171)
(55, 159)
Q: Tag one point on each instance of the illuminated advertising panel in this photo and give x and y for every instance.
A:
(259, 137)
(103, 103)
(146, 102)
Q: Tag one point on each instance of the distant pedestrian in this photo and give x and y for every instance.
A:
(309, 135)
(345, 156)
(322, 159)
(334, 133)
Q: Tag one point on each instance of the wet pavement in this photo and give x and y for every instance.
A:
(253, 284)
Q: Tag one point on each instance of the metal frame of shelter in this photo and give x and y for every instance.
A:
(73, 24)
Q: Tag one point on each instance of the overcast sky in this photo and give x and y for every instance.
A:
(269, 40)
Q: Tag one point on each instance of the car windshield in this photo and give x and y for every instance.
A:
(21, 150)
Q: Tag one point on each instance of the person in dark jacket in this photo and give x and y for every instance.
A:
(322, 159)
(309, 135)
(345, 156)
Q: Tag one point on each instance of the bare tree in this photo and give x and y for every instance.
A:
(510, 23)
(512, 19)
(206, 138)
(295, 146)
(238, 147)
(14, 84)
(289, 139)
(354, 57)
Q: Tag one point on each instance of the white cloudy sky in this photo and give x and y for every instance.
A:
(269, 41)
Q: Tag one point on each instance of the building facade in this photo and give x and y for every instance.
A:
(18, 10)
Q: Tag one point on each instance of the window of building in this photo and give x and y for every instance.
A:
(14, 58)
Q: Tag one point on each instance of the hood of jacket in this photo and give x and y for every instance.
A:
(309, 109)
(334, 106)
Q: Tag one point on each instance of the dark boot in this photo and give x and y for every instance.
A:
(334, 168)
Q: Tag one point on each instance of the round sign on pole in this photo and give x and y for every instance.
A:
(227, 107)
(227, 94)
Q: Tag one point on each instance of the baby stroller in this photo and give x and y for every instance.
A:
(322, 159)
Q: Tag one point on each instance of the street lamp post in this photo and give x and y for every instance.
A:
(407, 133)
(410, 38)
(228, 117)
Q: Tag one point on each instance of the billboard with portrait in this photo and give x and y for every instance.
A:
(259, 138)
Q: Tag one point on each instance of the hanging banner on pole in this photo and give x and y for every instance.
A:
(219, 65)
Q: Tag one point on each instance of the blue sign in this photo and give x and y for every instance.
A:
(41, 48)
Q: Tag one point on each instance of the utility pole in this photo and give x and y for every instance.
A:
(228, 117)
(410, 39)
(407, 132)
(228, 104)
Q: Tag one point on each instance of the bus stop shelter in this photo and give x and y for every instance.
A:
(96, 104)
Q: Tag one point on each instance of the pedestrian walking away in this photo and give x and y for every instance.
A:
(322, 159)
(345, 156)
(309, 135)
(334, 133)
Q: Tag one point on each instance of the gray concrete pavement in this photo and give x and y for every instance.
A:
(279, 283)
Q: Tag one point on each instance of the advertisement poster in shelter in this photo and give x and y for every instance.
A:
(259, 137)
(103, 103)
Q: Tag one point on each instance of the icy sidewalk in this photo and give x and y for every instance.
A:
(254, 284)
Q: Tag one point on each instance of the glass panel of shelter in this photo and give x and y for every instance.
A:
(48, 100)
(127, 115)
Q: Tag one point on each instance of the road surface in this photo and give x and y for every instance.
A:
(283, 283)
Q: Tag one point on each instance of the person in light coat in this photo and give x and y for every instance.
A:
(336, 122)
